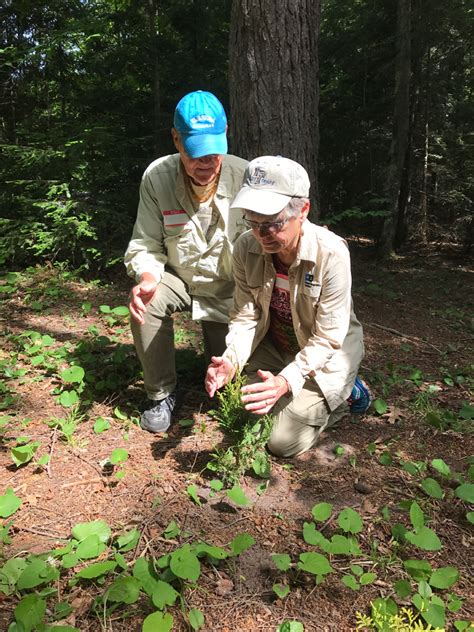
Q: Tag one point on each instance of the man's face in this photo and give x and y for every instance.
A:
(201, 170)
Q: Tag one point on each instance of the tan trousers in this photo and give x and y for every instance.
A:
(154, 340)
(298, 420)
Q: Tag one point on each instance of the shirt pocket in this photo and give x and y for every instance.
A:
(182, 248)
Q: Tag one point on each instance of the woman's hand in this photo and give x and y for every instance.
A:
(260, 398)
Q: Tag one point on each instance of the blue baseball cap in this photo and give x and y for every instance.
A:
(201, 122)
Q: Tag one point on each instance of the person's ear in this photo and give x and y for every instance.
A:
(176, 138)
(305, 211)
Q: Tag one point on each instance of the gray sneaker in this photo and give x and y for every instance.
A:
(157, 418)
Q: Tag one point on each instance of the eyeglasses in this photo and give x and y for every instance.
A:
(266, 227)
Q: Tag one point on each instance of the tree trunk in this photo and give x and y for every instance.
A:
(152, 11)
(274, 87)
(401, 122)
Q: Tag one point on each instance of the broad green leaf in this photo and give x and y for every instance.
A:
(350, 581)
(143, 571)
(216, 485)
(444, 577)
(172, 530)
(237, 495)
(282, 561)
(454, 603)
(386, 458)
(215, 552)
(119, 414)
(402, 588)
(124, 590)
(467, 411)
(465, 492)
(24, 453)
(261, 465)
(425, 539)
(321, 512)
(29, 612)
(185, 564)
(128, 541)
(90, 547)
(380, 406)
(314, 563)
(381, 606)
(186, 423)
(440, 466)
(416, 516)
(9, 574)
(192, 492)
(73, 375)
(163, 595)
(357, 570)
(340, 545)
(367, 578)
(290, 626)
(104, 309)
(470, 516)
(241, 543)
(311, 535)
(9, 503)
(121, 561)
(121, 310)
(431, 487)
(350, 521)
(97, 527)
(36, 572)
(68, 399)
(418, 569)
(195, 618)
(119, 455)
(96, 570)
(435, 616)
(461, 625)
(101, 425)
(70, 560)
(281, 590)
(157, 622)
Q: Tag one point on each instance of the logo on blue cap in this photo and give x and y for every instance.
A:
(201, 122)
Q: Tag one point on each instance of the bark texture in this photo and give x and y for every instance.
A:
(401, 125)
(274, 89)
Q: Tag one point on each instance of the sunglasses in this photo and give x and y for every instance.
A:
(266, 227)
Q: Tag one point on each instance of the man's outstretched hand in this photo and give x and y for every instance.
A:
(219, 373)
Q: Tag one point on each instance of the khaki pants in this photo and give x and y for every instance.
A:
(298, 420)
(154, 340)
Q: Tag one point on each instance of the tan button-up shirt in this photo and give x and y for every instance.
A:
(168, 232)
(328, 332)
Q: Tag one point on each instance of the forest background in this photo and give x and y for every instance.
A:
(88, 90)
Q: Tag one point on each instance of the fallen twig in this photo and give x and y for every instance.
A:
(53, 441)
(402, 335)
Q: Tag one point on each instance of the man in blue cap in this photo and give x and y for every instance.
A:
(180, 253)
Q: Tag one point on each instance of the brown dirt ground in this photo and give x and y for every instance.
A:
(426, 297)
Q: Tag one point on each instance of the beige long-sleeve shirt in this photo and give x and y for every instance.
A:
(168, 232)
(328, 332)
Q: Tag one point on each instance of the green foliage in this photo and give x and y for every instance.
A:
(247, 434)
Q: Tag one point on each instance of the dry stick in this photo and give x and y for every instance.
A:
(53, 441)
(402, 335)
(46, 534)
(85, 481)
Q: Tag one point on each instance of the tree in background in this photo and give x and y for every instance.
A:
(274, 81)
(358, 47)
